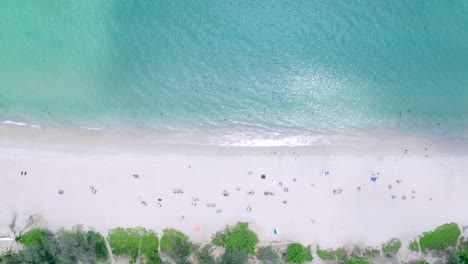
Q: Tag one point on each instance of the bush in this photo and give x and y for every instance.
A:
(357, 260)
(98, 243)
(453, 257)
(42, 251)
(421, 261)
(463, 243)
(128, 241)
(234, 256)
(442, 238)
(267, 255)
(356, 252)
(73, 247)
(204, 255)
(169, 237)
(125, 241)
(239, 237)
(371, 252)
(297, 253)
(463, 255)
(149, 247)
(391, 247)
(33, 236)
(9, 257)
(325, 254)
(176, 244)
(414, 246)
(331, 254)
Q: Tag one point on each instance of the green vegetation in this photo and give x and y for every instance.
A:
(463, 255)
(67, 246)
(463, 243)
(239, 242)
(238, 237)
(452, 257)
(371, 252)
(340, 254)
(73, 247)
(149, 247)
(98, 243)
(9, 257)
(127, 242)
(325, 254)
(298, 254)
(267, 255)
(391, 247)
(357, 260)
(356, 252)
(204, 255)
(176, 244)
(77, 245)
(38, 249)
(463, 251)
(414, 246)
(421, 261)
(33, 236)
(234, 256)
(332, 254)
(442, 238)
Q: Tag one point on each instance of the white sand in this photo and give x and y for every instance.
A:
(74, 161)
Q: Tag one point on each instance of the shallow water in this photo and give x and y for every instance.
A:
(281, 70)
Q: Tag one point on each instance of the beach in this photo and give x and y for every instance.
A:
(321, 194)
(328, 123)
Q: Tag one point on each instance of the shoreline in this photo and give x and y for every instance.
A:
(56, 160)
(230, 136)
(103, 141)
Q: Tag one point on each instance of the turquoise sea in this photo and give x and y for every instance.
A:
(238, 69)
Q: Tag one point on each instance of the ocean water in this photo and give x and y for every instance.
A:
(238, 70)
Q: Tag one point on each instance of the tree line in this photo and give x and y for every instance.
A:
(236, 244)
